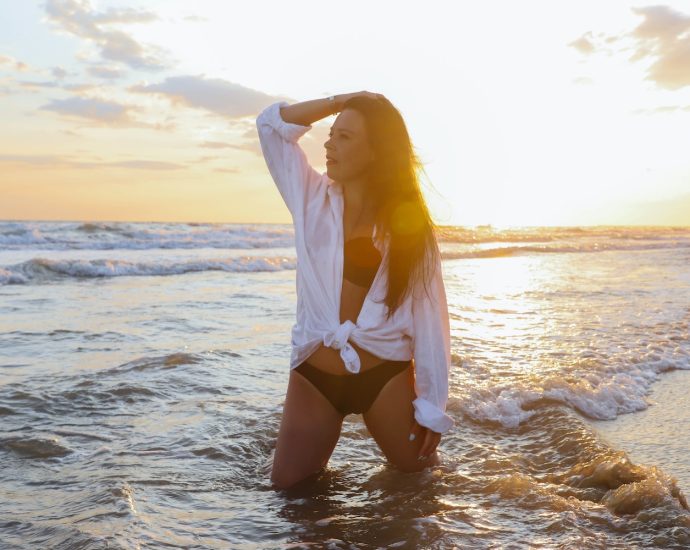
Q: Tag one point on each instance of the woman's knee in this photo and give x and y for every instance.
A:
(410, 466)
(298, 454)
(285, 478)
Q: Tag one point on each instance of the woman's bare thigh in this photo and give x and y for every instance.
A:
(309, 430)
(390, 419)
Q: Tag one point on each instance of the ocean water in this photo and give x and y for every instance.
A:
(143, 368)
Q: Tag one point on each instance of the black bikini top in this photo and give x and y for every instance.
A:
(361, 261)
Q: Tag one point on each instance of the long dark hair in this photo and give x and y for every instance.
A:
(395, 189)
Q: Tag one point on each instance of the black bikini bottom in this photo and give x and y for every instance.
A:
(352, 393)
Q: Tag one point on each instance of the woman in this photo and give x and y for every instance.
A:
(372, 332)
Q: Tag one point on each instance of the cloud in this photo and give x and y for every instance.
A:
(52, 161)
(77, 17)
(582, 80)
(105, 72)
(102, 113)
(80, 87)
(663, 37)
(28, 85)
(208, 158)
(59, 73)
(584, 43)
(4, 89)
(220, 97)
(661, 109)
(12, 63)
(215, 144)
(22, 86)
(252, 145)
(195, 18)
(146, 165)
(662, 23)
(109, 112)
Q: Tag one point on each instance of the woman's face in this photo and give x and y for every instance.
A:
(348, 147)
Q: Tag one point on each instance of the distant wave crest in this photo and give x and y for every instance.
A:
(39, 270)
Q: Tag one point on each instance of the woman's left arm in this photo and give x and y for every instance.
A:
(431, 342)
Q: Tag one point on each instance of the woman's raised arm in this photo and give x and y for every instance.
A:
(293, 175)
(306, 113)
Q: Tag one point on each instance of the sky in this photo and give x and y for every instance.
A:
(524, 113)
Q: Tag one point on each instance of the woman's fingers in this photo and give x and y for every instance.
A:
(372, 95)
(426, 445)
(429, 439)
(416, 431)
(429, 444)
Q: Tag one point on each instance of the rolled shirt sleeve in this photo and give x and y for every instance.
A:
(286, 161)
(432, 354)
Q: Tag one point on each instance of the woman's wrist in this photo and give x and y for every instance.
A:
(334, 104)
(339, 101)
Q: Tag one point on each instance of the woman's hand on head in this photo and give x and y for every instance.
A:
(342, 98)
(429, 440)
(372, 95)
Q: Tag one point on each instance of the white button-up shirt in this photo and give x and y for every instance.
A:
(419, 329)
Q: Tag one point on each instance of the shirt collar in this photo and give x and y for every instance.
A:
(335, 187)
